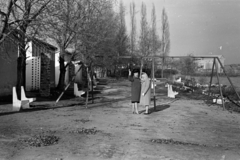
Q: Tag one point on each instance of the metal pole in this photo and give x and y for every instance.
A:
(214, 61)
(163, 59)
(92, 84)
(141, 67)
(194, 57)
(153, 82)
(87, 89)
(228, 78)
(220, 88)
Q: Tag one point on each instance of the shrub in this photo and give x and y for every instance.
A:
(202, 80)
(166, 73)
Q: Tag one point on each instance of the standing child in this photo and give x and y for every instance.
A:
(145, 92)
(135, 90)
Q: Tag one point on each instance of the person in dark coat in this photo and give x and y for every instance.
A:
(135, 90)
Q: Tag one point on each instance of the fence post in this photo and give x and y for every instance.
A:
(153, 82)
(220, 88)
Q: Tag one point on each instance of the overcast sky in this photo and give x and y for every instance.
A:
(201, 27)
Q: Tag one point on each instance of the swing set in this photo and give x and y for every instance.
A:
(153, 82)
(214, 66)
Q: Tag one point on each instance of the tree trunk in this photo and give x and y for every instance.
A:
(62, 74)
(21, 63)
(21, 75)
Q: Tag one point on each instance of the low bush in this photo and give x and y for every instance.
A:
(166, 73)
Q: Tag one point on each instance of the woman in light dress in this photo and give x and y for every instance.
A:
(145, 92)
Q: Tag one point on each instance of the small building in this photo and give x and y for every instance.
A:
(9, 51)
(8, 65)
(73, 68)
(33, 69)
(205, 64)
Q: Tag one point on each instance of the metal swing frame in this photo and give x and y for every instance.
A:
(215, 58)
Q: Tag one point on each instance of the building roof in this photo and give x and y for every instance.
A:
(40, 42)
(15, 32)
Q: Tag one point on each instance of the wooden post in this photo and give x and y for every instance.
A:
(211, 76)
(220, 88)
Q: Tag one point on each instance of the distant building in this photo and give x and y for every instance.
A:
(205, 64)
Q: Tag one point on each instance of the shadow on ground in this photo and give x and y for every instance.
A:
(157, 109)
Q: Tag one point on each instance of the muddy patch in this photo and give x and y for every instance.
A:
(174, 142)
(82, 120)
(40, 140)
(90, 131)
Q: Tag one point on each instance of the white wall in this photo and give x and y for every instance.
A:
(33, 67)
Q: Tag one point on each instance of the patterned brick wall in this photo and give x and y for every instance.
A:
(45, 75)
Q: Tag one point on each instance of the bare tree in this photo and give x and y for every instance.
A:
(165, 38)
(144, 39)
(63, 20)
(19, 16)
(98, 38)
(76, 25)
(6, 8)
(188, 66)
(121, 41)
(122, 38)
(133, 28)
(155, 41)
(154, 36)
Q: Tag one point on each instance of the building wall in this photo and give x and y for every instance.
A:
(33, 68)
(8, 66)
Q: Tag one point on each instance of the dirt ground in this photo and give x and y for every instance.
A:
(185, 129)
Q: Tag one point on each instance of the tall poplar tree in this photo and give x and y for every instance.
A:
(165, 45)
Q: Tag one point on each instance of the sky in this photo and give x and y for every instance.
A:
(200, 27)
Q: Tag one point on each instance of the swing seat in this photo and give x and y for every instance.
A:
(218, 101)
(179, 80)
(23, 96)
